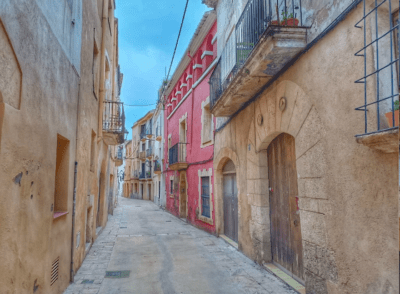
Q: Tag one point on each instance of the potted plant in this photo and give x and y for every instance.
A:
(289, 20)
(389, 115)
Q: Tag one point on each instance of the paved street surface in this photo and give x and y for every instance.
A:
(166, 255)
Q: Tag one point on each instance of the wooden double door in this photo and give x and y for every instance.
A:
(230, 203)
(286, 241)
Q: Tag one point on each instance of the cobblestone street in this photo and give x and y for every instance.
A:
(166, 255)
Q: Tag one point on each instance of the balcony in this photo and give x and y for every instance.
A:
(148, 175)
(149, 132)
(177, 157)
(158, 134)
(264, 41)
(143, 136)
(142, 155)
(113, 123)
(380, 109)
(142, 176)
(149, 153)
(157, 167)
(119, 160)
(135, 175)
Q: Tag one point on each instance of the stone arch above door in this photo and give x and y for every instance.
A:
(298, 117)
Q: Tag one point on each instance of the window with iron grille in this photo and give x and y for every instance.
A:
(205, 196)
(380, 54)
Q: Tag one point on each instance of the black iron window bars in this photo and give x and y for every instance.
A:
(381, 87)
(256, 18)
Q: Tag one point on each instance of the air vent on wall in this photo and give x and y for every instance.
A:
(54, 271)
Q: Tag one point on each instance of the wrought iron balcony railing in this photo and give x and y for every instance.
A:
(142, 175)
(256, 18)
(119, 155)
(114, 119)
(149, 130)
(148, 175)
(136, 174)
(143, 135)
(157, 166)
(177, 153)
(149, 152)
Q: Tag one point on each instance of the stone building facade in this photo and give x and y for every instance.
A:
(60, 123)
(158, 162)
(138, 182)
(189, 128)
(316, 180)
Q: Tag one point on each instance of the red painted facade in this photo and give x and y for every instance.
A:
(194, 77)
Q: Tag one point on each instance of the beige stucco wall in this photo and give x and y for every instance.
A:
(348, 192)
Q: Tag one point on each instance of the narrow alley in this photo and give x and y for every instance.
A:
(166, 255)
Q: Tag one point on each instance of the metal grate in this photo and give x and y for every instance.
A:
(381, 87)
(54, 271)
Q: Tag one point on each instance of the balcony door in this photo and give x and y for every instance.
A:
(286, 241)
(182, 140)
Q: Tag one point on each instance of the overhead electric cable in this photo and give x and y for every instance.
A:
(177, 41)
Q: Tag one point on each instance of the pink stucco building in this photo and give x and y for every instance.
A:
(189, 131)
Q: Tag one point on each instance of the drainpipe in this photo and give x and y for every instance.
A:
(102, 67)
(73, 224)
(72, 273)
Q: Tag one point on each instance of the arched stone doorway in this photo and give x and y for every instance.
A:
(287, 111)
(285, 227)
(230, 200)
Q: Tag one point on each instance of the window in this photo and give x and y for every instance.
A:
(169, 146)
(205, 196)
(92, 151)
(207, 123)
(171, 186)
(95, 67)
(61, 178)
(379, 52)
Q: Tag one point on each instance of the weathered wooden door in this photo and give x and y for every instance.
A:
(230, 202)
(182, 195)
(287, 249)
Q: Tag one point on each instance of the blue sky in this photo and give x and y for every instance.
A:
(148, 30)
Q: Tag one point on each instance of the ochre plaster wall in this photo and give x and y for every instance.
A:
(30, 240)
(348, 192)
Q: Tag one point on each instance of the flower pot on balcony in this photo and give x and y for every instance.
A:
(389, 117)
(290, 22)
